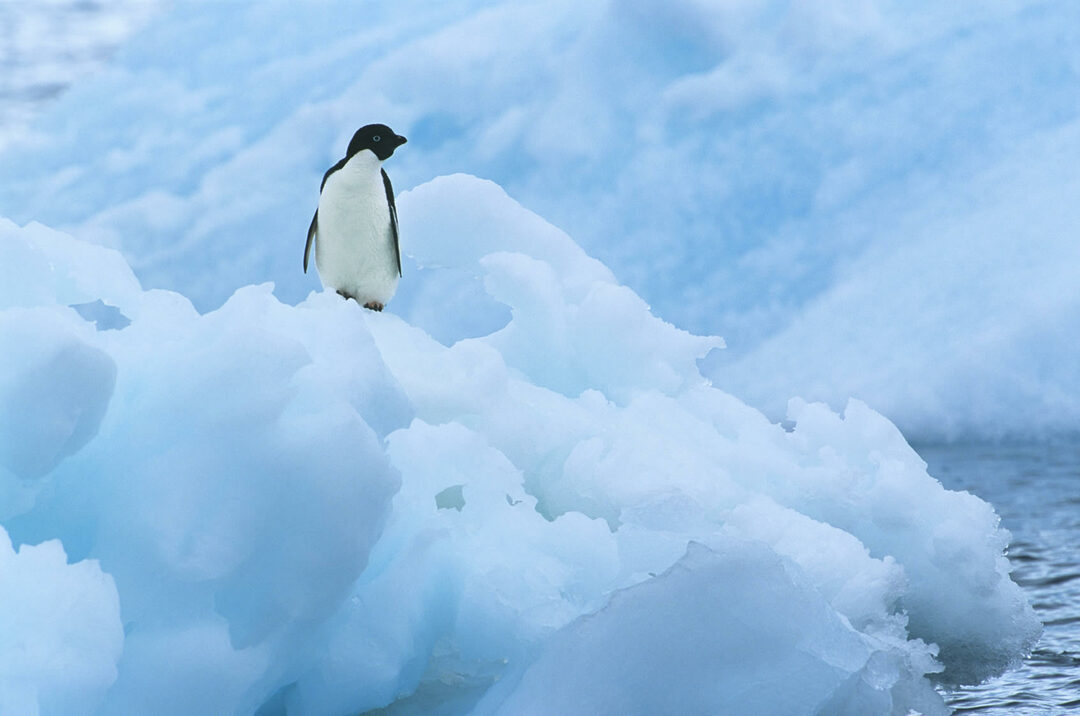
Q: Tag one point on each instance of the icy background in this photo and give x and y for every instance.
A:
(869, 199)
(518, 487)
(45, 45)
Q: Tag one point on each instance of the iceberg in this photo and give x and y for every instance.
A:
(513, 492)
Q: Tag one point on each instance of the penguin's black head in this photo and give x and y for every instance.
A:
(379, 138)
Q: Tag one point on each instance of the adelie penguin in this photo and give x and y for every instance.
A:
(355, 227)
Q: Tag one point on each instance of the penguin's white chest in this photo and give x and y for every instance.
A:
(354, 243)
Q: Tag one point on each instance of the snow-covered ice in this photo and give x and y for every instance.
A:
(60, 631)
(317, 509)
(873, 199)
(522, 489)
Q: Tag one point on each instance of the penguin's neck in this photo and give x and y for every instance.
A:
(363, 164)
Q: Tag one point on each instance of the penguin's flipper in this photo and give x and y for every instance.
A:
(312, 230)
(393, 217)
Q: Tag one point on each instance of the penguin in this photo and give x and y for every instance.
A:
(355, 227)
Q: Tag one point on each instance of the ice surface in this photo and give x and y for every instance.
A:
(736, 629)
(53, 393)
(60, 631)
(865, 199)
(960, 326)
(262, 484)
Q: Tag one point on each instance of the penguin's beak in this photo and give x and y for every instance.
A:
(400, 139)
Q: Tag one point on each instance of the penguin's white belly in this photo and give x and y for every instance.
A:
(354, 244)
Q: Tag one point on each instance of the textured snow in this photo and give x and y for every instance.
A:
(871, 199)
(317, 509)
(60, 631)
(525, 488)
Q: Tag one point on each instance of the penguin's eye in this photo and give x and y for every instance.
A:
(376, 138)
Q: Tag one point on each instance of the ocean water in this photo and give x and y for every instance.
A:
(1036, 490)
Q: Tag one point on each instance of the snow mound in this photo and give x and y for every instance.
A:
(61, 634)
(317, 509)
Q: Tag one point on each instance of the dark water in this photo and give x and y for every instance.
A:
(1036, 490)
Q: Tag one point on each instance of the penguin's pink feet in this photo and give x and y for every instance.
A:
(373, 305)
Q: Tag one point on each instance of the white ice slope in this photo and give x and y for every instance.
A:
(316, 509)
